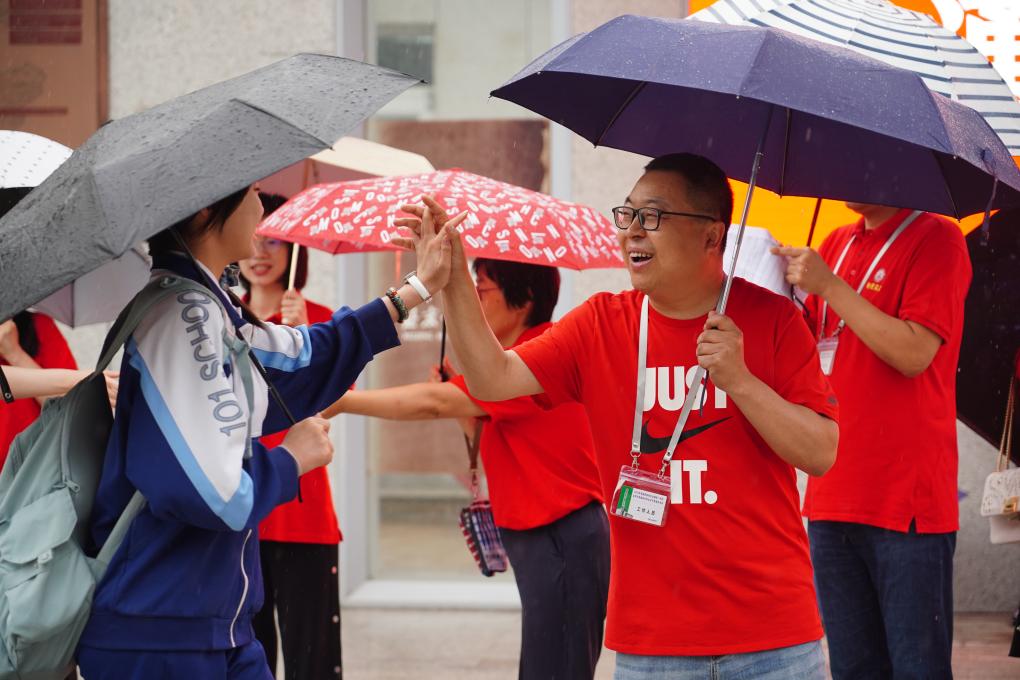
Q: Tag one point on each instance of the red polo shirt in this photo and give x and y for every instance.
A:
(311, 519)
(53, 353)
(729, 572)
(897, 458)
(540, 464)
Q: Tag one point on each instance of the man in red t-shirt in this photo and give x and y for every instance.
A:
(718, 581)
(886, 304)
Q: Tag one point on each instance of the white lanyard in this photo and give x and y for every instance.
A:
(867, 275)
(692, 393)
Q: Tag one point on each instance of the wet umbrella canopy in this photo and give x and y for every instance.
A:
(139, 174)
(842, 125)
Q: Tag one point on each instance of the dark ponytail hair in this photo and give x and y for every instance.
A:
(27, 337)
(190, 229)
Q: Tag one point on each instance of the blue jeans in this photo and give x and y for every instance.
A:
(886, 599)
(800, 662)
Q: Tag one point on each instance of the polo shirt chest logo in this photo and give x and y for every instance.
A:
(875, 284)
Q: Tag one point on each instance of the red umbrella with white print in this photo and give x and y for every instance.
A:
(505, 222)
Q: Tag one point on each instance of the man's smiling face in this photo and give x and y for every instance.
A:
(665, 257)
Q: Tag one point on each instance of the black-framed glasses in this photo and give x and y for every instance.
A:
(648, 218)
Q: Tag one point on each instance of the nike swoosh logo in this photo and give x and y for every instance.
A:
(650, 444)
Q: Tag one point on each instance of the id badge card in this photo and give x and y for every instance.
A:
(641, 496)
(827, 353)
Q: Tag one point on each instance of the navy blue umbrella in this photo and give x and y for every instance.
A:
(835, 123)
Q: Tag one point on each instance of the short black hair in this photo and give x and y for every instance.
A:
(522, 283)
(708, 188)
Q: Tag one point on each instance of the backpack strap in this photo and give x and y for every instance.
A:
(139, 307)
(119, 531)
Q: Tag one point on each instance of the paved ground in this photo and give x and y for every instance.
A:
(454, 645)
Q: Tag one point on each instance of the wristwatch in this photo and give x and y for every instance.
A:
(419, 287)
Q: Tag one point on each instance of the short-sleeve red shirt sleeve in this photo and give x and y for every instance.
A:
(521, 407)
(798, 373)
(53, 349)
(937, 282)
(554, 357)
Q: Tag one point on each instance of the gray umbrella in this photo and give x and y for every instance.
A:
(139, 174)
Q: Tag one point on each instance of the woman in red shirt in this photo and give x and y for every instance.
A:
(298, 540)
(28, 340)
(542, 480)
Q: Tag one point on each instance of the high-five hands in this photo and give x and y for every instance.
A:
(433, 234)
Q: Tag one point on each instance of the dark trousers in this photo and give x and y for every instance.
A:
(562, 572)
(301, 584)
(886, 599)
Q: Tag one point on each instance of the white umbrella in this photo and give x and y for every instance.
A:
(349, 159)
(98, 297)
(900, 37)
(25, 161)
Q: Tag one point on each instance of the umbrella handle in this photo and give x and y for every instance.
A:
(293, 265)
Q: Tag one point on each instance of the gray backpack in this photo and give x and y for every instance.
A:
(47, 489)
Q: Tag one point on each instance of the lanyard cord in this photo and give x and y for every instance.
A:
(867, 275)
(697, 384)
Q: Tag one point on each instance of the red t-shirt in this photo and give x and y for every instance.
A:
(897, 457)
(728, 577)
(540, 464)
(311, 519)
(53, 353)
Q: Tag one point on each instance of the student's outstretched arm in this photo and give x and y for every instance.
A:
(420, 401)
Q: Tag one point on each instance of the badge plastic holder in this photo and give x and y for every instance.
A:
(641, 496)
(827, 353)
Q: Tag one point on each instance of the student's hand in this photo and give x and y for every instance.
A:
(293, 310)
(9, 345)
(309, 444)
(806, 269)
(721, 352)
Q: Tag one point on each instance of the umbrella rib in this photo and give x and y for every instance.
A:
(945, 184)
(786, 151)
(324, 143)
(626, 102)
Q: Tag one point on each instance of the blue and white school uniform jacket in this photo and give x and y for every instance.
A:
(187, 576)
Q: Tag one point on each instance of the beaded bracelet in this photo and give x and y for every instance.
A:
(398, 302)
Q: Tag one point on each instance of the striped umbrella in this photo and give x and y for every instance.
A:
(948, 64)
